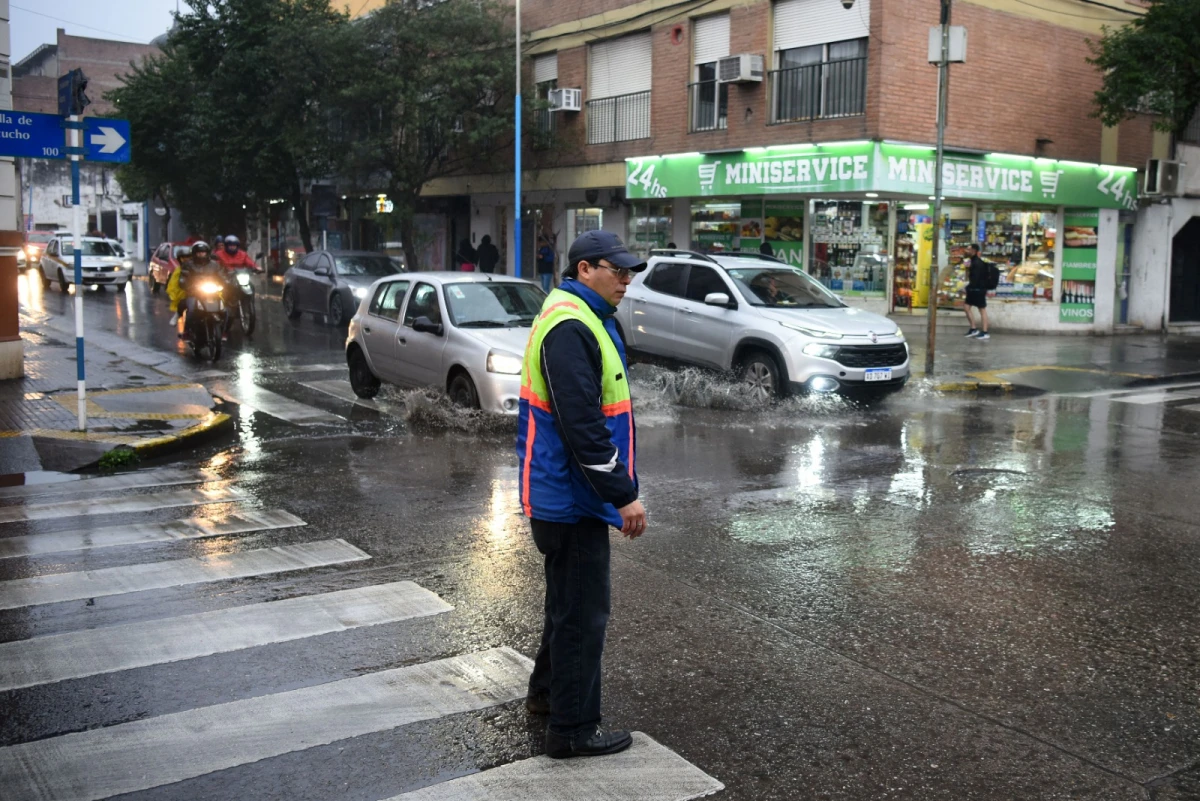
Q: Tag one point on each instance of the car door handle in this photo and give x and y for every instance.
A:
(639, 300)
(683, 310)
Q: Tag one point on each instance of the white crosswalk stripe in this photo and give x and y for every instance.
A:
(1159, 396)
(128, 757)
(340, 389)
(646, 771)
(140, 479)
(241, 522)
(143, 754)
(26, 663)
(255, 397)
(133, 503)
(59, 587)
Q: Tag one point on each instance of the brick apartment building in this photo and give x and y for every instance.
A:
(46, 184)
(826, 152)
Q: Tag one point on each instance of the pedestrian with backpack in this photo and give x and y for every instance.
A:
(981, 277)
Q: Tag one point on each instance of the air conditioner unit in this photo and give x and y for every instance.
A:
(1162, 178)
(566, 99)
(743, 68)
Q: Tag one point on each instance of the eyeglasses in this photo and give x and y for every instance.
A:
(622, 273)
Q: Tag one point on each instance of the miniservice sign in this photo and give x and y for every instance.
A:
(881, 167)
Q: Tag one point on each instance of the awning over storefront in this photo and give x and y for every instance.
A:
(881, 167)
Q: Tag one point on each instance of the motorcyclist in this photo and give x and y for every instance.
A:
(232, 257)
(192, 272)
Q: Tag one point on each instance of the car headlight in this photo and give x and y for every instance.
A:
(898, 334)
(820, 351)
(30, 250)
(816, 333)
(504, 363)
(359, 292)
(210, 287)
(243, 279)
(127, 264)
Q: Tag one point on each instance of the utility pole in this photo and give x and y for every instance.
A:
(936, 268)
(517, 157)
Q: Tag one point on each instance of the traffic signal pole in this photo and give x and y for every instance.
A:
(74, 126)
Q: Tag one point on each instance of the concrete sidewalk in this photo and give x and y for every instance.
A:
(129, 405)
(1033, 364)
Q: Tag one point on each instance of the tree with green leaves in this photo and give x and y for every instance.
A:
(1151, 65)
(236, 111)
(431, 97)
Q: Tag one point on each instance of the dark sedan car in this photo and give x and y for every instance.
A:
(332, 282)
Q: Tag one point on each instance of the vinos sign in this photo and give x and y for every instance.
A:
(849, 167)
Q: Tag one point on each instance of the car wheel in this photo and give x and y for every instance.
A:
(62, 282)
(462, 391)
(362, 380)
(121, 287)
(45, 281)
(289, 304)
(153, 284)
(337, 309)
(760, 373)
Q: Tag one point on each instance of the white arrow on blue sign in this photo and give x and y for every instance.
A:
(105, 139)
(41, 136)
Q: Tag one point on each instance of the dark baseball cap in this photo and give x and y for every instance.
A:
(592, 246)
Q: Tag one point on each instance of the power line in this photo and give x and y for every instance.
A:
(71, 22)
(1079, 16)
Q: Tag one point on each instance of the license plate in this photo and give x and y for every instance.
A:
(879, 374)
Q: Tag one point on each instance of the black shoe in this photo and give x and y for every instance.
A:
(538, 703)
(972, 332)
(598, 744)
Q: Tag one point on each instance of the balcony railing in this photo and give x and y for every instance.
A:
(545, 125)
(618, 119)
(819, 91)
(708, 104)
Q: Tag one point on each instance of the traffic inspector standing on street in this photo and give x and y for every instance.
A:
(575, 443)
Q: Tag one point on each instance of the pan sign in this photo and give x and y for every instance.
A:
(41, 136)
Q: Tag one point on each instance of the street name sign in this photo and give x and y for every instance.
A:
(40, 136)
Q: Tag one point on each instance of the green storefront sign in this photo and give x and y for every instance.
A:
(850, 167)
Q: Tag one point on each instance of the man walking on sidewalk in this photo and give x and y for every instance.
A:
(575, 443)
(977, 288)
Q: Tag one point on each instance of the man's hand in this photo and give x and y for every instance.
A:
(633, 519)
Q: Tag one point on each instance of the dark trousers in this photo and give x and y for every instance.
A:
(578, 594)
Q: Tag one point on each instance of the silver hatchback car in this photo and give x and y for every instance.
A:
(461, 332)
(779, 329)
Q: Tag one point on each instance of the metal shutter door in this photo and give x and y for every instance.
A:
(799, 23)
(545, 68)
(710, 38)
(619, 66)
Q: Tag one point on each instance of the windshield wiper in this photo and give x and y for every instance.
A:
(483, 324)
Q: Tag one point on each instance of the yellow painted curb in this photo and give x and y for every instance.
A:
(214, 421)
(974, 386)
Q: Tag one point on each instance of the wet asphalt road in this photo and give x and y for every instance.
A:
(922, 599)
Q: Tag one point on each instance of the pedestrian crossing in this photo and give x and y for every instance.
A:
(155, 752)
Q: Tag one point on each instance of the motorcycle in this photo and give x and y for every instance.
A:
(208, 322)
(239, 298)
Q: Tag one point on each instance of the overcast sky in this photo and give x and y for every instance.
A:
(34, 21)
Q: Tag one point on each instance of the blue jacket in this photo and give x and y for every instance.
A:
(574, 433)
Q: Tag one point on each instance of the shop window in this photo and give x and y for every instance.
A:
(1020, 241)
(820, 81)
(849, 246)
(649, 227)
(716, 227)
(581, 221)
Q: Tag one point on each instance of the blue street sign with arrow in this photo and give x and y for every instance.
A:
(105, 139)
(40, 136)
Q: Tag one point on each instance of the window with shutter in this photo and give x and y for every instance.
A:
(799, 23)
(710, 38)
(708, 100)
(618, 107)
(820, 60)
(545, 68)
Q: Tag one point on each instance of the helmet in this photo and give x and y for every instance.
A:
(232, 240)
(199, 246)
(220, 240)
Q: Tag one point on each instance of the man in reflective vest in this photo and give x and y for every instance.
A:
(575, 443)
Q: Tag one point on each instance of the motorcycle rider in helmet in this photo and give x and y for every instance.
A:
(192, 272)
(232, 257)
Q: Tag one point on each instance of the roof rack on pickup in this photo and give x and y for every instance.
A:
(754, 254)
(676, 252)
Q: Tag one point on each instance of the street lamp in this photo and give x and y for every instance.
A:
(517, 156)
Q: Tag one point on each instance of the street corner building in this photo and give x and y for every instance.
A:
(721, 125)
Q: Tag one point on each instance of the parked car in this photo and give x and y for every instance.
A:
(775, 326)
(165, 261)
(101, 264)
(461, 332)
(332, 282)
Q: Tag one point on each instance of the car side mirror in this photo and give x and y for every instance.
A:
(424, 325)
(717, 299)
(322, 271)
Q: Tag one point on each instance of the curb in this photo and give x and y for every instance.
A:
(216, 423)
(994, 387)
